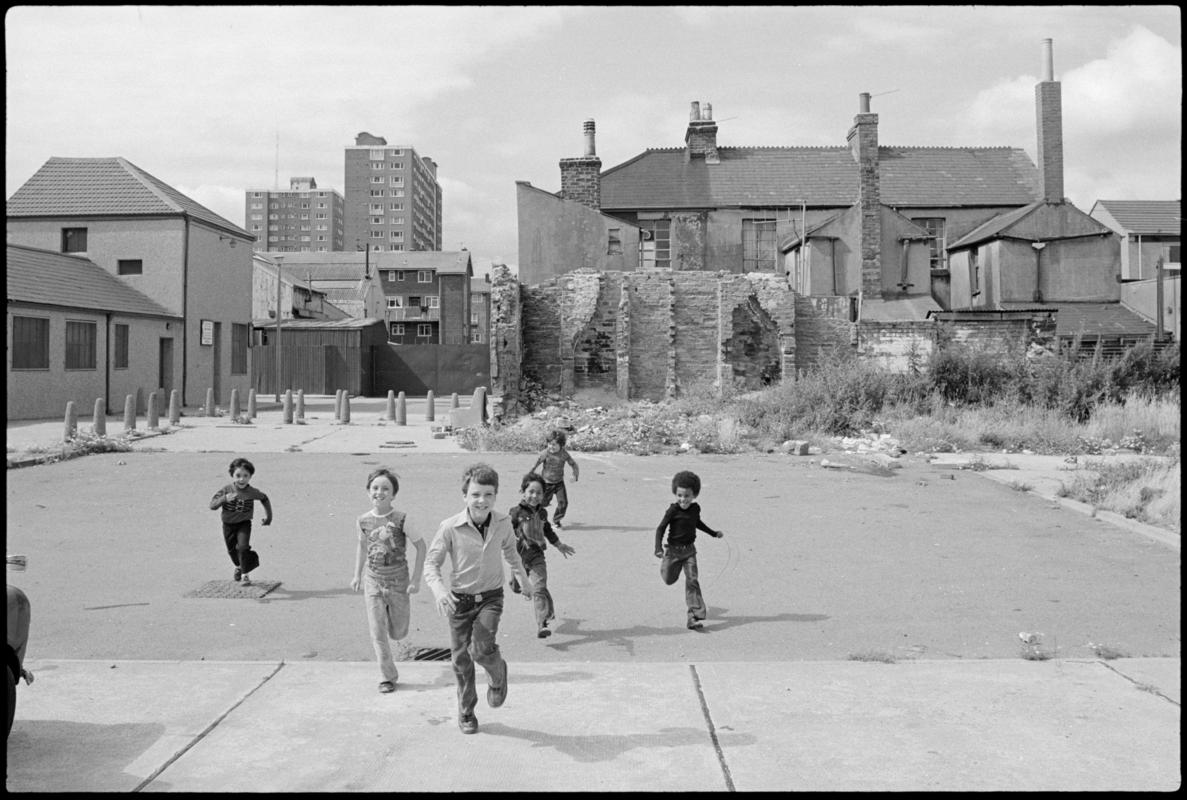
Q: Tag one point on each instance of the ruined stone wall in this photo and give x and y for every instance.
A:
(652, 335)
(900, 346)
(822, 328)
(696, 330)
(506, 343)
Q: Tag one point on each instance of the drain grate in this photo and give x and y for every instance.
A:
(232, 589)
(431, 654)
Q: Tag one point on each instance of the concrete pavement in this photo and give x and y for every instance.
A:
(974, 724)
(990, 725)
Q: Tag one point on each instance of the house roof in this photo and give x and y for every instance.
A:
(820, 177)
(1071, 224)
(90, 187)
(353, 262)
(1102, 320)
(53, 279)
(351, 323)
(1145, 217)
(995, 226)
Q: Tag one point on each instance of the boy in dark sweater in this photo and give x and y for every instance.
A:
(532, 532)
(681, 522)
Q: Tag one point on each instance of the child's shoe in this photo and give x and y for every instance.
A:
(238, 575)
(543, 633)
(247, 580)
(515, 585)
(695, 625)
(556, 523)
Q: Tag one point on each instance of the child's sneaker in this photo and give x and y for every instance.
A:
(247, 580)
(515, 585)
(556, 523)
(238, 574)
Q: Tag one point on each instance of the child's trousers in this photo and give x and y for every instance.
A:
(684, 559)
(473, 626)
(561, 494)
(388, 612)
(537, 587)
(237, 535)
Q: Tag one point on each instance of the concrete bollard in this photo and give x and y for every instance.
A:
(338, 405)
(391, 405)
(401, 409)
(429, 406)
(288, 407)
(154, 416)
(234, 407)
(174, 407)
(100, 419)
(130, 413)
(453, 401)
(479, 401)
(251, 404)
(210, 403)
(300, 404)
(345, 407)
(71, 429)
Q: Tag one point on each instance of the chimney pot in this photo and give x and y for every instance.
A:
(694, 111)
(590, 147)
(1048, 62)
(864, 102)
(707, 112)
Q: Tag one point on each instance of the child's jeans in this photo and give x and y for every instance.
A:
(388, 610)
(537, 587)
(473, 626)
(675, 560)
(237, 535)
(562, 499)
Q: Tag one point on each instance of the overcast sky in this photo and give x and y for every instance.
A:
(197, 96)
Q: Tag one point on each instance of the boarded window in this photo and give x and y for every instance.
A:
(614, 242)
(655, 244)
(80, 345)
(30, 343)
(758, 245)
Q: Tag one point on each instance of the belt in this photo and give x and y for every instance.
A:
(480, 596)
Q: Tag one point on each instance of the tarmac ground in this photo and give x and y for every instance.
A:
(707, 722)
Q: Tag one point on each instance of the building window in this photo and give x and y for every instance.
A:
(376, 165)
(614, 243)
(424, 329)
(474, 318)
(396, 207)
(376, 179)
(935, 227)
(74, 240)
(30, 343)
(377, 192)
(376, 234)
(1173, 253)
(396, 180)
(434, 301)
(80, 345)
(395, 302)
(974, 273)
(377, 208)
(120, 356)
(395, 192)
(129, 266)
(397, 234)
(424, 276)
(377, 154)
(655, 247)
(376, 220)
(476, 337)
(395, 247)
(397, 220)
(240, 335)
(397, 329)
(399, 274)
(758, 245)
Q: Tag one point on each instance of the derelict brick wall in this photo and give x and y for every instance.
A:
(1004, 336)
(595, 352)
(542, 335)
(899, 346)
(697, 328)
(578, 300)
(506, 343)
(652, 335)
(821, 328)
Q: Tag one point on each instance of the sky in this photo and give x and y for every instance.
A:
(219, 100)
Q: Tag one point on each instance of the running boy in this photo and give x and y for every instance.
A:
(384, 535)
(237, 501)
(475, 540)
(553, 459)
(682, 521)
(532, 532)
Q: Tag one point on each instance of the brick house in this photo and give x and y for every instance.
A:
(77, 333)
(181, 255)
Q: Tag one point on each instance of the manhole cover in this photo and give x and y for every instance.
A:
(234, 589)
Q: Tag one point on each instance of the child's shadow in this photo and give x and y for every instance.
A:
(282, 594)
(625, 637)
(577, 526)
(590, 748)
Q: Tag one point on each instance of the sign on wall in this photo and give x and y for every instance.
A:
(207, 332)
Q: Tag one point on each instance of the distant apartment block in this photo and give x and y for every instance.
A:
(303, 219)
(393, 199)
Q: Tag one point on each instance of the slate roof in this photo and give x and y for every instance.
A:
(1145, 217)
(91, 187)
(53, 279)
(1105, 320)
(991, 228)
(820, 177)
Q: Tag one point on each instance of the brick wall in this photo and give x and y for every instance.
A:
(822, 327)
(898, 346)
(652, 335)
(581, 180)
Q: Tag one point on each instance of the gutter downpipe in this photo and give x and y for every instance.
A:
(1139, 255)
(832, 255)
(185, 301)
(902, 284)
(1158, 300)
(107, 366)
(1038, 248)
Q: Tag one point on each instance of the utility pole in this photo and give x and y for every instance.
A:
(278, 300)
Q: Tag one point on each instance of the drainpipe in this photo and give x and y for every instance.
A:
(1158, 299)
(902, 281)
(1038, 247)
(1139, 255)
(107, 365)
(185, 303)
(832, 251)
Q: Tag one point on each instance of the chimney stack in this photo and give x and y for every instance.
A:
(863, 143)
(581, 178)
(1049, 124)
(700, 140)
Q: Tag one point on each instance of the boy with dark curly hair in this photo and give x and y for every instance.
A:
(681, 522)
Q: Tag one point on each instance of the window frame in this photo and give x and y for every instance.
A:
(81, 345)
(759, 244)
(240, 344)
(424, 330)
(121, 334)
(650, 242)
(69, 234)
